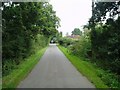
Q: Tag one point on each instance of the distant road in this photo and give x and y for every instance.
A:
(55, 71)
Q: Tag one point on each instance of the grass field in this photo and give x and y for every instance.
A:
(86, 68)
(14, 78)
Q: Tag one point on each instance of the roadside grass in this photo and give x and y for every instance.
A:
(86, 68)
(14, 78)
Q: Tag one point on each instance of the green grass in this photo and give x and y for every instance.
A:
(14, 78)
(86, 68)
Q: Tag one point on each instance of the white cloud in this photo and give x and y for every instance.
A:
(73, 13)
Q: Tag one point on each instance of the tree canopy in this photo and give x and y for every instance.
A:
(24, 25)
(105, 33)
(76, 31)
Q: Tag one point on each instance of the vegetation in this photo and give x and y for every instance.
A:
(85, 67)
(27, 28)
(22, 70)
(99, 77)
(99, 43)
(76, 31)
(105, 37)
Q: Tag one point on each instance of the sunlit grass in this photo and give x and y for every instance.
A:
(14, 78)
(86, 68)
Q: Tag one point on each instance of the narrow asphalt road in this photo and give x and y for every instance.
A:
(55, 71)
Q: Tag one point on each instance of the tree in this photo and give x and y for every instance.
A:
(24, 25)
(60, 34)
(76, 32)
(105, 37)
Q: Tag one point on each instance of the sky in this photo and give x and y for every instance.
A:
(73, 13)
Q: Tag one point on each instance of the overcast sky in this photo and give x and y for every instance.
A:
(73, 13)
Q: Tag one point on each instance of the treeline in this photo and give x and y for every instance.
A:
(105, 37)
(26, 27)
(100, 41)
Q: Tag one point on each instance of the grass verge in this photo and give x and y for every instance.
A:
(86, 68)
(14, 78)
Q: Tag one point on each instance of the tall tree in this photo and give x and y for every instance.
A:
(22, 24)
(76, 31)
(105, 37)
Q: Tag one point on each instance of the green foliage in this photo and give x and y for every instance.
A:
(65, 41)
(37, 44)
(85, 67)
(101, 78)
(76, 32)
(59, 35)
(8, 67)
(100, 9)
(13, 79)
(26, 27)
(105, 37)
(101, 43)
(81, 47)
(110, 79)
(105, 45)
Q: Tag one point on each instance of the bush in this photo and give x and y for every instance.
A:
(8, 66)
(105, 45)
(36, 44)
(81, 47)
(65, 41)
(110, 79)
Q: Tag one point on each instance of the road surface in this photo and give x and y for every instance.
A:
(55, 71)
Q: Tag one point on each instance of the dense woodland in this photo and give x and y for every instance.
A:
(100, 41)
(26, 27)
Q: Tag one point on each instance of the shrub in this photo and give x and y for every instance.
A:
(65, 41)
(36, 44)
(81, 47)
